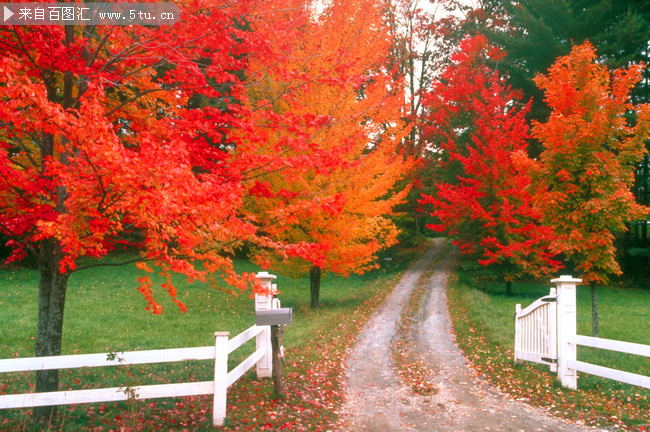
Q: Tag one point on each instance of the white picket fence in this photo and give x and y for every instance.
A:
(536, 331)
(218, 387)
(545, 332)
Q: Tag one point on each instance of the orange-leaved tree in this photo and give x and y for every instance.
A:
(592, 142)
(336, 75)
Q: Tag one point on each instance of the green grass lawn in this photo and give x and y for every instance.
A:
(105, 313)
(485, 318)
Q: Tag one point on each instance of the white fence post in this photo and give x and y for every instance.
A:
(263, 340)
(566, 329)
(220, 378)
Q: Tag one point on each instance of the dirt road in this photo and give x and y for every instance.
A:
(378, 401)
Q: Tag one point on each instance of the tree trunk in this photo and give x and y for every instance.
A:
(594, 311)
(52, 284)
(51, 299)
(509, 288)
(314, 286)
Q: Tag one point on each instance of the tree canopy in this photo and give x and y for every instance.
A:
(535, 32)
(591, 147)
(484, 199)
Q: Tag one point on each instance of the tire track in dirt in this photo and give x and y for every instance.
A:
(378, 401)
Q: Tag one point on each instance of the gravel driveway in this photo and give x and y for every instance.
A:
(378, 401)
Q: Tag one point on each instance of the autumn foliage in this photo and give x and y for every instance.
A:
(105, 135)
(484, 198)
(592, 142)
(279, 128)
(158, 139)
(338, 77)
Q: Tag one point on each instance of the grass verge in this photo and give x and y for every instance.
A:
(104, 313)
(483, 322)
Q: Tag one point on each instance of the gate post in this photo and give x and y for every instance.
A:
(265, 364)
(566, 329)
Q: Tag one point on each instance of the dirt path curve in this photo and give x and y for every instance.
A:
(377, 401)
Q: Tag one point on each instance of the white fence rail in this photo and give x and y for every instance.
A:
(218, 387)
(614, 374)
(532, 336)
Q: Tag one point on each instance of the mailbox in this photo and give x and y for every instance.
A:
(280, 316)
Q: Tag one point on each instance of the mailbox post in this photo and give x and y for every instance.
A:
(276, 342)
(263, 302)
(278, 319)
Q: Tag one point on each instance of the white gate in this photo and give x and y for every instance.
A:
(536, 331)
(545, 332)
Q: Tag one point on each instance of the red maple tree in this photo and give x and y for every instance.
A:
(483, 197)
(138, 136)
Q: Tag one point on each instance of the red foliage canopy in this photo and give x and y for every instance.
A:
(485, 202)
(141, 136)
